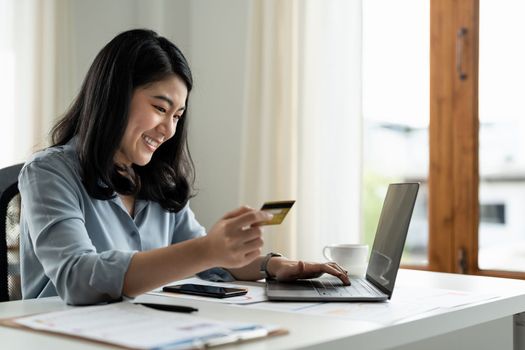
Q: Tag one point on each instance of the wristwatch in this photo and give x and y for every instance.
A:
(264, 265)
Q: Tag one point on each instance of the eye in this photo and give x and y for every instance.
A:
(177, 117)
(160, 109)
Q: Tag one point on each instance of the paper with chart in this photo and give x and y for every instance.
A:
(406, 303)
(134, 326)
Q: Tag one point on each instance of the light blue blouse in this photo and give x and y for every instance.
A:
(79, 247)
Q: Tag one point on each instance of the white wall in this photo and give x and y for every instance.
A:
(212, 35)
(217, 55)
(94, 23)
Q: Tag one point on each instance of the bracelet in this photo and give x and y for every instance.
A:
(264, 265)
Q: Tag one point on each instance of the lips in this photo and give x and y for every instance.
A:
(151, 142)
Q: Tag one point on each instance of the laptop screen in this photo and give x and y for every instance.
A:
(391, 234)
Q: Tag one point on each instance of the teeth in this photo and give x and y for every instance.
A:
(151, 141)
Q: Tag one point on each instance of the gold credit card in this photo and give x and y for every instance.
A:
(279, 210)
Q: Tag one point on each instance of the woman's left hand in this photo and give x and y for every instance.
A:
(290, 270)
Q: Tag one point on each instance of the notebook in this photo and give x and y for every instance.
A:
(378, 284)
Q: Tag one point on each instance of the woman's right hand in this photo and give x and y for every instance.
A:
(235, 240)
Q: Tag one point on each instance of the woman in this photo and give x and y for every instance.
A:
(105, 210)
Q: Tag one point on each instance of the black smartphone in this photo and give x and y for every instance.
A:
(206, 291)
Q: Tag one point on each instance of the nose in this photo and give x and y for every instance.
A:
(168, 127)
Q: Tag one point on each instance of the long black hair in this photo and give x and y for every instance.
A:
(99, 115)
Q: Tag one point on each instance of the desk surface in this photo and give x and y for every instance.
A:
(311, 330)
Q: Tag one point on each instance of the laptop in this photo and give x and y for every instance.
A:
(378, 284)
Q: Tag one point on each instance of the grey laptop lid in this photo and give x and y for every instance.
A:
(385, 256)
(391, 234)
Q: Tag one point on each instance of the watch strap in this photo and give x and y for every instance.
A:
(264, 265)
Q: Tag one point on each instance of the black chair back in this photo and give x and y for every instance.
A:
(9, 234)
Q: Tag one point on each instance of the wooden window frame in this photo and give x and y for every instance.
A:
(454, 139)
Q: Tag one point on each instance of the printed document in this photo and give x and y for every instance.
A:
(134, 326)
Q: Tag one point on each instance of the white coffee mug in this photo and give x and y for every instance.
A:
(352, 257)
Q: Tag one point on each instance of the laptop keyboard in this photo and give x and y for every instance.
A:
(331, 287)
(359, 287)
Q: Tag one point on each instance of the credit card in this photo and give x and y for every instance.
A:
(279, 209)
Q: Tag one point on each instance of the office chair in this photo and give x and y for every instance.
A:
(9, 234)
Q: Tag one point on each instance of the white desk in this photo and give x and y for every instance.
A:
(485, 325)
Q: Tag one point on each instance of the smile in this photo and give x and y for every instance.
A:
(154, 144)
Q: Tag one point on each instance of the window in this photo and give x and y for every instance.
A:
(396, 39)
(501, 136)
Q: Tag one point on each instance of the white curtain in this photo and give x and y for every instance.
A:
(35, 65)
(302, 123)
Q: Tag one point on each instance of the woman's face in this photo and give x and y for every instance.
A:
(154, 112)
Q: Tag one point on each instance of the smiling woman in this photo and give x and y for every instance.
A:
(116, 104)
(105, 209)
(154, 113)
